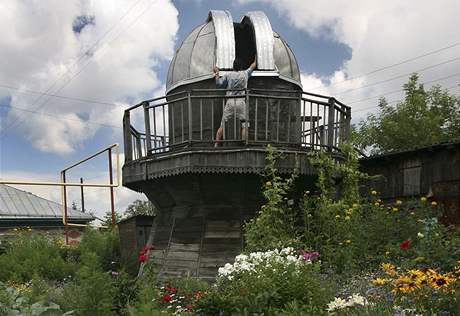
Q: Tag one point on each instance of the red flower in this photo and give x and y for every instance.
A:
(142, 257)
(405, 245)
(170, 289)
(166, 298)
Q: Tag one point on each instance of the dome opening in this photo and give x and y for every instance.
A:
(245, 43)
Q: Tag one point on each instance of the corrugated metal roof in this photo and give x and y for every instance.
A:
(16, 204)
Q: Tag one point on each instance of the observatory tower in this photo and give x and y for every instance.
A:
(204, 194)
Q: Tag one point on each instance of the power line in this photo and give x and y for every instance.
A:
(395, 101)
(391, 66)
(399, 76)
(59, 116)
(20, 90)
(400, 90)
(84, 54)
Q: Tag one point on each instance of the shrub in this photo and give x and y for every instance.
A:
(32, 254)
(265, 283)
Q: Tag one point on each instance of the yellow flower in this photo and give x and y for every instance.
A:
(423, 199)
(434, 203)
(347, 218)
(349, 211)
(395, 209)
(376, 204)
(398, 202)
(373, 192)
(337, 216)
(268, 184)
(387, 253)
(379, 281)
(379, 200)
(348, 241)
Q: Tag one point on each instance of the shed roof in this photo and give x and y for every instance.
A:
(19, 204)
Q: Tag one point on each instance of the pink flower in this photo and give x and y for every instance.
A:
(309, 255)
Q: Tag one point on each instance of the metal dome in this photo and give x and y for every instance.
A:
(217, 42)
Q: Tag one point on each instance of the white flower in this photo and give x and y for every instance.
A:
(420, 235)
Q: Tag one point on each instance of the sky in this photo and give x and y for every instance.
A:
(112, 54)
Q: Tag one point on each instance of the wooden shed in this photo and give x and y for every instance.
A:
(432, 171)
(134, 233)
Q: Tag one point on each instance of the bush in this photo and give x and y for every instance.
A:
(266, 283)
(32, 254)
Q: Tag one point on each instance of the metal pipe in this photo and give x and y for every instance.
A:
(112, 202)
(82, 196)
(66, 226)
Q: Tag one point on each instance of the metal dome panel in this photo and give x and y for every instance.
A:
(225, 50)
(264, 39)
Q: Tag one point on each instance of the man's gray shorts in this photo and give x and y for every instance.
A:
(234, 107)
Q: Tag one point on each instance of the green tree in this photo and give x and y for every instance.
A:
(139, 207)
(422, 118)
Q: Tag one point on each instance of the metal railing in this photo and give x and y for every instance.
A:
(283, 118)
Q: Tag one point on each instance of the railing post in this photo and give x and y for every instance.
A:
(127, 136)
(148, 136)
(246, 116)
(330, 124)
(298, 123)
(189, 103)
(347, 124)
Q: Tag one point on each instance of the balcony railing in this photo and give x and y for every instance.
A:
(283, 118)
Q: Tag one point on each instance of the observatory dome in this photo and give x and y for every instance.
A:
(219, 41)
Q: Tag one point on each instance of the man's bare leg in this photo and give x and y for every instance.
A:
(218, 136)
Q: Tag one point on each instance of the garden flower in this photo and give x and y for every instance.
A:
(348, 241)
(309, 255)
(376, 203)
(166, 298)
(420, 235)
(434, 203)
(398, 202)
(405, 245)
(142, 258)
(423, 199)
(355, 205)
(347, 218)
(337, 216)
(373, 192)
(379, 281)
(268, 184)
(395, 209)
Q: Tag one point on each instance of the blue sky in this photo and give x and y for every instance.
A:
(119, 52)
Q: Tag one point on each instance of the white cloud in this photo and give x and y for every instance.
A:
(380, 33)
(40, 51)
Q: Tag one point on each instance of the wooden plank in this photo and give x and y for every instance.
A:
(223, 234)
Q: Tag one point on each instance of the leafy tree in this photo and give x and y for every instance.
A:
(422, 118)
(139, 207)
(107, 219)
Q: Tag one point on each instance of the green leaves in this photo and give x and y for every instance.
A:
(422, 118)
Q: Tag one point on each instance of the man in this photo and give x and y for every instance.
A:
(237, 79)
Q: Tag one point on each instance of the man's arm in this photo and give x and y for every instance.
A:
(221, 82)
(252, 67)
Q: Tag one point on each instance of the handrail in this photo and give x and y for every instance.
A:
(282, 117)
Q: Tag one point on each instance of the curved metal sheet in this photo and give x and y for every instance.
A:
(225, 35)
(264, 39)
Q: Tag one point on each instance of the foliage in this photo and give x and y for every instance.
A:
(32, 254)
(422, 118)
(103, 243)
(266, 283)
(275, 224)
(139, 207)
(107, 219)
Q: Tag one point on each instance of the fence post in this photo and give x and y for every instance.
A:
(148, 136)
(298, 122)
(330, 124)
(189, 103)
(246, 116)
(127, 136)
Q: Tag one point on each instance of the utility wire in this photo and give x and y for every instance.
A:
(400, 90)
(59, 116)
(20, 90)
(394, 101)
(391, 66)
(81, 56)
(399, 76)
